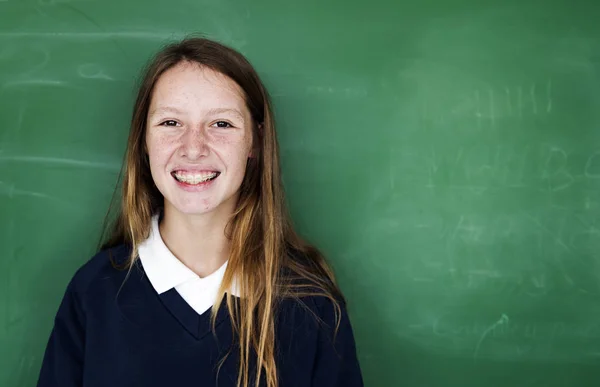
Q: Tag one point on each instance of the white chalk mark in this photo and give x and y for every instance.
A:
(20, 370)
(477, 189)
(392, 170)
(21, 116)
(458, 158)
(11, 191)
(492, 113)
(508, 102)
(39, 66)
(559, 171)
(556, 238)
(533, 100)
(23, 372)
(40, 12)
(523, 163)
(473, 233)
(61, 161)
(34, 82)
(478, 113)
(539, 282)
(30, 364)
(485, 273)
(62, 2)
(432, 169)
(549, 96)
(554, 150)
(146, 35)
(83, 15)
(520, 100)
(32, 193)
(18, 192)
(589, 165)
(570, 181)
(93, 71)
(503, 320)
(593, 232)
(458, 226)
(434, 165)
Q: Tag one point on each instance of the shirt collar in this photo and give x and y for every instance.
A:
(165, 271)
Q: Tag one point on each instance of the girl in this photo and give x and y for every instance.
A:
(204, 281)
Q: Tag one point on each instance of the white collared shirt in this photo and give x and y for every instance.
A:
(166, 272)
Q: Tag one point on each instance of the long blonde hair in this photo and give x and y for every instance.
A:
(264, 243)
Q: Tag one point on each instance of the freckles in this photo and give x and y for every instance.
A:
(224, 139)
(233, 147)
(237, 154)
(161, 144)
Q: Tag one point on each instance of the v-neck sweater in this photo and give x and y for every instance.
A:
(113, 329)
(165, 272)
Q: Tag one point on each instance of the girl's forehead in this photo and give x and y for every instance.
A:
(189, 83)
(194, 76)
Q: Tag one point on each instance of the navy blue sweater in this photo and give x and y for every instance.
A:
(113, 331)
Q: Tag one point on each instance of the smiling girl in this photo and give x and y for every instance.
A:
(204, 281)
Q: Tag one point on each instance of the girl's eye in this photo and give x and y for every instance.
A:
(169, 123)
(222, 124)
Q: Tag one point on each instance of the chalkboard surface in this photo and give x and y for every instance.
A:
(445, 155)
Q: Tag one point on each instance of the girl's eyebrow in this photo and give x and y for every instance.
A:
(217, 111)
(210, 112)
(165, 109)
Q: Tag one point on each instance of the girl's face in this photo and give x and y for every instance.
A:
(199, 138)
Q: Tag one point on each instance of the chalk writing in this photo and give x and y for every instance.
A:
(503, 320)
(61, 161)
(93, 71)
(485, 167)
(490, 107)
(592, 166)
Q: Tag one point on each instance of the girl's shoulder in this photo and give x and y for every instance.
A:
(106, 266)
(309, 292)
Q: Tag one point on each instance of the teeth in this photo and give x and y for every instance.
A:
(194, 178)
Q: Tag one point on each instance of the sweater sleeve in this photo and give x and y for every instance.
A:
(336, 362)
(62, 365)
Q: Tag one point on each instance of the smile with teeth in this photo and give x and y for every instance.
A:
(194, 178)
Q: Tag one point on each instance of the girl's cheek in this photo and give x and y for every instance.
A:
(162, 145)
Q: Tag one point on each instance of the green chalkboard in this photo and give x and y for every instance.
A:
(445, 155)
